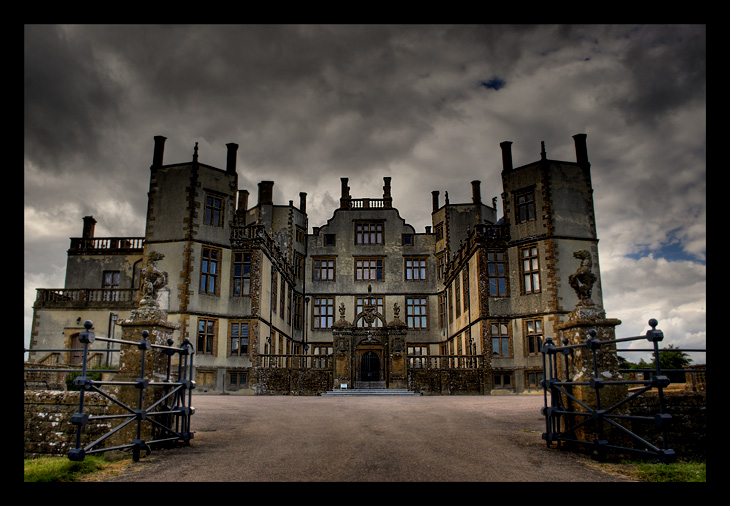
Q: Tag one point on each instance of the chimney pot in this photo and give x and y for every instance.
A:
(581, 151)
(159, 150)
(435, 200)
(89, 224)
(476, 194)
(242, 201)
(266, 192)
(345, 198)
(506, 155)
(231, 159)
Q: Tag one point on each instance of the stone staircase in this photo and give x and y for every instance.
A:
(359, 391)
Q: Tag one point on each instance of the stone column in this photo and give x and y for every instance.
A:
(398, 374)
(343, 350)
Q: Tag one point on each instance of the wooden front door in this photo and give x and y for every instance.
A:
(370, 366)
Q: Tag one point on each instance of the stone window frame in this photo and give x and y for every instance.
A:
(208, 335)
(110, 285)
(212, 215)
(206, 274)
(298, 304)
(362, 269)
(442, 309)
(239, 336)
(494, 275)
(525, 209)
(503, 338)
(374, 227)
(240, 376)
(533, 336)
(420, 271)
(533, 378)
(457, 296)
(274, 289)
(317, 314)
(498, 378)
(411, 316)
(530, 271)
(239, 286)
(318, 268)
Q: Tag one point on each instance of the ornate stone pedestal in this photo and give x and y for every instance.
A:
(147, 325)
(588, 323)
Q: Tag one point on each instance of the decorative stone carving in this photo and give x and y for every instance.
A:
(583, 279)
(153, 280)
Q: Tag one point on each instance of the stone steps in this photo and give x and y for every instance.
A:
(369, 391)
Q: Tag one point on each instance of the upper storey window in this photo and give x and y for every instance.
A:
(368, 233)
(213, 211)
(525, 207)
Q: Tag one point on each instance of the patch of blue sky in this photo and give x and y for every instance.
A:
(671, 252)
(495, 83)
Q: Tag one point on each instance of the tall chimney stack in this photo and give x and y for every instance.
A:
(476, 193)
(435, 200)
(581, 151)
(506, 155)
(89, 224)
(231, 158)
(303, 202)
(388, 200)
(266, 192)
(345, 198)
(159, 150)
(242, 201)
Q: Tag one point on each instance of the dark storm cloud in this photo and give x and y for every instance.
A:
(427, 105)
(68, 97)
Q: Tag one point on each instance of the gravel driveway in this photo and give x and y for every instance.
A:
(420, 438)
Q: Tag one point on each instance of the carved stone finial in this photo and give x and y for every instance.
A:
(342, 311)
(583, 279)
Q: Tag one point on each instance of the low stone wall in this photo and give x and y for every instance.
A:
(446, 381)
(292, 381)
(47, 421)
(687, 430)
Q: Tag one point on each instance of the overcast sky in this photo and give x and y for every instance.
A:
(426, 105)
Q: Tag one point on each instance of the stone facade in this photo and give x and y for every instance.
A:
(461, 307)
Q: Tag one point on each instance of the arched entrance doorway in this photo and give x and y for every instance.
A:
(370, 366)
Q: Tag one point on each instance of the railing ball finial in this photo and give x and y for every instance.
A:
(145, 333)
(592, 333)
(653, 323)
(88, 324)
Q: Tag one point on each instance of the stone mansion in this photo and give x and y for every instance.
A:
(364, 300)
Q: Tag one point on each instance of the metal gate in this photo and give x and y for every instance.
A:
(563, 416)
(170, 414)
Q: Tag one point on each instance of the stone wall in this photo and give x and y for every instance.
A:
(292, 381)
(446, 381)
(687, 430)
(47, 421)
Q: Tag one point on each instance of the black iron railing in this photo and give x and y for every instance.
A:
(563, 413)
(169, 414)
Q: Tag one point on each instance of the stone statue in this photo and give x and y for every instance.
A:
(583, 279)
(153, 279)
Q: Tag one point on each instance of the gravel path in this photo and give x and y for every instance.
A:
(376, 439)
